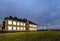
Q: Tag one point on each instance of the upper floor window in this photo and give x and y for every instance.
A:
(21, 24)
(9, 22)
(31, 25)
(24, 24)
(14, 22)
(18, 23)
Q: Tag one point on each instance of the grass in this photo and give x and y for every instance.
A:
(31, 36)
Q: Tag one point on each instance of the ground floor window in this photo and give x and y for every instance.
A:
(18, 28)
(23, 28)
(9, 27)
(14, 28)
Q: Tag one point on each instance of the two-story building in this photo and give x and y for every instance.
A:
(15, 24)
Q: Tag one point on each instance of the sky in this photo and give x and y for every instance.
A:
(42, 12)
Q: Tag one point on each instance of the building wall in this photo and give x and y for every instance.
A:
(32, 27)
(0, 28)
(13, 25)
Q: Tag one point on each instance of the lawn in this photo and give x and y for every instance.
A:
(31, 36)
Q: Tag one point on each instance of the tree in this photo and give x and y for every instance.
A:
(10, 17)
(16, 18)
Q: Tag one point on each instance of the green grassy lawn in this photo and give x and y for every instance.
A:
(31, 36)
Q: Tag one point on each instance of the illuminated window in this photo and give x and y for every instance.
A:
(17, 28)
(14, 28)
(17, 23)
(24, 24)
(21, 28)
(9, 22)
(35, 28)
(24, 28)
(14, 23)
(31, 29)
(31, 25)
(21, 24)
(9, 27)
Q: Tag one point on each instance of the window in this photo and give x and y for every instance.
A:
(31, 28)
(9, 27)
(31, 25)
(14, 23)
(35, 29)
(24, 28)
(17, 28)
(21, 24)
(21, 28)
(24, 24)
(17, 23)
(9, 22)
(14, 28)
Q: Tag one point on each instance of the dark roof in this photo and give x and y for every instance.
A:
(32, 22)
(17, 19)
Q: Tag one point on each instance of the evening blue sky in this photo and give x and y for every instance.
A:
(42, 12)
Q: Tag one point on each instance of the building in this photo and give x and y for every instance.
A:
(15, 24)
(0, 29)
(0, 26)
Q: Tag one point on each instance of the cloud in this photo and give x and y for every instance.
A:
(41, 12)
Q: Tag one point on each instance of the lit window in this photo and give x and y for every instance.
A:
(9, 22)
(21, 28)
(17, 23)
(21, 24)
(9, 27)
(31, 28)
(35, 29)
(31, 25)
(24, 24)
(14, 23)
(24, 28)
(17, 28)
(14, 28)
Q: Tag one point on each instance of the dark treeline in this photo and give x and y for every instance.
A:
(48, 30)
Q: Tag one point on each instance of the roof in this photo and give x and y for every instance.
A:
(17, 19)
